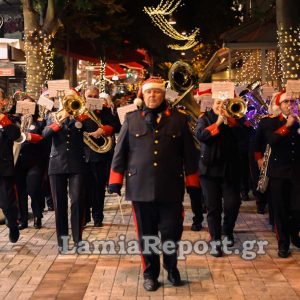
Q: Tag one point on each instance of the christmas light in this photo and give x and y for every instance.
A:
(157, 16)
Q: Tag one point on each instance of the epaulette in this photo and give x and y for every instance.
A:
(272, 116)
(182, 111)
(201, 114)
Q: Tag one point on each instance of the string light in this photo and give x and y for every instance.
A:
(102, 76)
(289, 56)
(39, 60)
(157, 16)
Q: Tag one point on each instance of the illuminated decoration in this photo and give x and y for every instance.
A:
(157, 16)
(289, 45)
(39, 60)
(102, 76)
(249, 68)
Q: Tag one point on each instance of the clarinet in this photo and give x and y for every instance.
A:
(263, 178)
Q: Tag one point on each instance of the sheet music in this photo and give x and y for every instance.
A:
(24, 107)
(46, 102)
(123, 110)
(222, 90)
(58, 85)
(94, 103)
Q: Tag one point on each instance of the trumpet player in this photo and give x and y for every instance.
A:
(219, 172)
(99, 162)
(284, 173)
(9, 133)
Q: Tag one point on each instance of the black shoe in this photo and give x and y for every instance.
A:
(37, 223)
(216, 251)
(260, 210)
(283, 253)
(50, 208)
(174, 277)
(23, 225)
(230, 239)
(196, 227)
(14, 234)
(245, 196)
(295, 240)
(150, 284)
(98, 224)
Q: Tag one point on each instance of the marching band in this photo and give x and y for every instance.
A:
(74, 149)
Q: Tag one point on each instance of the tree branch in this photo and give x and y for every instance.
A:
(52, 23)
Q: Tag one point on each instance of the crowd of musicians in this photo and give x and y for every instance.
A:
(157, 155)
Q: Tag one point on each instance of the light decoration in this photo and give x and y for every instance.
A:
(289, 53)
(102, 76)
(39, 60)
(251, 66)
(157, 16)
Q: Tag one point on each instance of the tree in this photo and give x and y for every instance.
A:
(288, 28)
(43, 18)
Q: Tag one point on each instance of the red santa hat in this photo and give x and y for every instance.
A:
(275, 102)
(153, 83)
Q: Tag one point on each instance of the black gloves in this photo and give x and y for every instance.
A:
(114, 188)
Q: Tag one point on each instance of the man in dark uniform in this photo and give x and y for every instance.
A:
(154, 149)
(284, 173)
(219, 170)
(8, 202)
(99, 162)
(67, 169)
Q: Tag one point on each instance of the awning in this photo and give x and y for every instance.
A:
(110, 71)
(133, 65)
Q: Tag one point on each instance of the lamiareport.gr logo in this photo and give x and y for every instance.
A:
(248, 250)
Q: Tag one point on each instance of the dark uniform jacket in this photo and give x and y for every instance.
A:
(8, 134)
(67, 150)
(219, 147)
(155, 161)
(110, 124)
(284, 160)
(33, 151)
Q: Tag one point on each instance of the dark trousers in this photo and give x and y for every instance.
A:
(286, 204)
(151, 218)
(96, 182)
(29, 182)
(8, 200)
(59, 187)
(196, 197)
(214, 188)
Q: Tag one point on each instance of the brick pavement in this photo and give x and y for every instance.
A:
(32, 268)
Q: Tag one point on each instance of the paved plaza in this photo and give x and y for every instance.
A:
(32, 268)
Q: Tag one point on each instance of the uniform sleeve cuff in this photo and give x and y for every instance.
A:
(213, 129)
(34, 138)
(5, 121)
(108, 130)
(192, 180)
(55, 127)
(115, 177)
(283, 130)
(258, 155)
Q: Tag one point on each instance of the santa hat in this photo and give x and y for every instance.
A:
(275, 102)
(153, 83)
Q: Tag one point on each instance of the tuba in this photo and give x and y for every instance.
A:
(75, 106)
(182, 79)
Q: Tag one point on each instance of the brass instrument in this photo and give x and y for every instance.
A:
(26, 122)
(6, 105)
(75, 106)
(263, 179)
(182, 79)
(236, 107)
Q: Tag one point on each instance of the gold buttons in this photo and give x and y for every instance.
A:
(174, 136)
(67, 149)
(155, 164)
(156, 131)
(156, 141)
(137, 135)
(129, 174)
(155, 152)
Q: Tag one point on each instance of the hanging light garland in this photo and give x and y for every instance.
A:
(102, 76)
(157, 16)
(289, 43)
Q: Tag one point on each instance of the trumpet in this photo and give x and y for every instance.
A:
(75, 106)
(236, 107)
